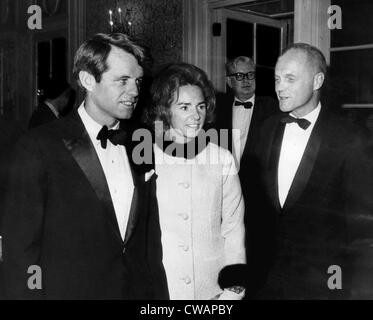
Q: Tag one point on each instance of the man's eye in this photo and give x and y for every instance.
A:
(202, 107)
(139, 81)
(123, 81)
(184, 108)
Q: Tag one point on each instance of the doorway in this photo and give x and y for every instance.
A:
(51, 53)
(246, 34)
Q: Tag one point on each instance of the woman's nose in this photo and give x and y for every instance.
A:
(196, 115)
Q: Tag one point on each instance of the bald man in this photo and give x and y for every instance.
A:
(317, 178)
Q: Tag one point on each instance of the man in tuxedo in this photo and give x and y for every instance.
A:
(79, 222)
(318, 180)
(241, 109)
(59, 99)
(242, 113)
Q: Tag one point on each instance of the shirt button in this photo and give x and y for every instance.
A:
(187, 280)
(186, 247)
(186, 185)
(185, 216)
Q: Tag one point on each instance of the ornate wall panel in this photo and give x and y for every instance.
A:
(158, 24)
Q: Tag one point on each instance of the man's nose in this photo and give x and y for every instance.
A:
(133, 89)
(279, 86)
(247, 80)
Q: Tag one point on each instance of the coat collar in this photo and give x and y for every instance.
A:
(78, 143)
(305, 167)
(307, 162)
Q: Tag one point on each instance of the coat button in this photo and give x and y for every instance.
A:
(124, 250)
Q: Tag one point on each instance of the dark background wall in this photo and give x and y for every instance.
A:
(158, 24)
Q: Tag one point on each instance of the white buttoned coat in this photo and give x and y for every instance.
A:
(201, 212)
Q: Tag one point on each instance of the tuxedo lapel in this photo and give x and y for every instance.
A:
(229, 118)
(305, 167)
(134, 211)
(252, 135)
(224, 103)
(273, 156)
(80, 146)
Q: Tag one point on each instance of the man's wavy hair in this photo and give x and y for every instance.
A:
(92, 54)
(165, 89)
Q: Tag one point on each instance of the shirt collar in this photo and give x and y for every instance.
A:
(252, 99)
(313, 115)
(92, 127)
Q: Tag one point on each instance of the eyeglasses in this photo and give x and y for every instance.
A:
(239, 76)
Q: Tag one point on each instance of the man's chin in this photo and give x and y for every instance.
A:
(125, 115)
(286, 108)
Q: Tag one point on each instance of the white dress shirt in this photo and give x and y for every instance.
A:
(241, 119)
(116, 167)
(294, 143)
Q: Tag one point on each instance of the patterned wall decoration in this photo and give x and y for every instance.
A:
(7, 13)
(9, 79)
(157, 23)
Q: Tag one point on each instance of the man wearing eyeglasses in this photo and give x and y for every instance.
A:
(241, 111)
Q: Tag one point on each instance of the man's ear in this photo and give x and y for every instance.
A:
(229, 82)
(318, 80)
(87, 80)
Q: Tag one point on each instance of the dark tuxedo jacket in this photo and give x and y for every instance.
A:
(264, 107)
(59, 215)
(326, 218)
(10, 131)
(252, 190)
(42, 115)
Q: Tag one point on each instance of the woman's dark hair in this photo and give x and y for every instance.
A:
(167, 84)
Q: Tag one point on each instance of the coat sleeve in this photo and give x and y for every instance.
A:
(23, 222)
(233, 208)
(359, 210)
(154, 247)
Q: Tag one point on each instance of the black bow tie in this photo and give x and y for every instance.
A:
(303, 123)
(116, 137)
(246, 105)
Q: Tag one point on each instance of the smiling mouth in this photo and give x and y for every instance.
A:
(193, 126)
(127, 104)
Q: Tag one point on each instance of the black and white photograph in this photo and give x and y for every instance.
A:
(183, 153)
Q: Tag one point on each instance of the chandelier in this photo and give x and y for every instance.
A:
(120, 21)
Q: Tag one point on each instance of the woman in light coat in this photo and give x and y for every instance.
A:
(199, 194)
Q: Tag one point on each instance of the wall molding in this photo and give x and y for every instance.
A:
(311, 24)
